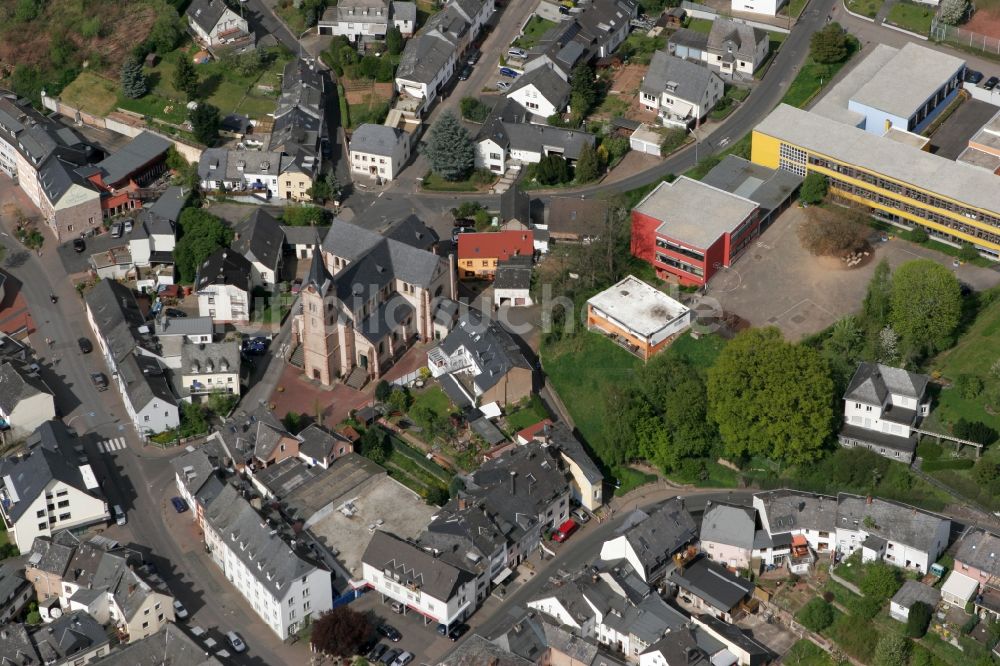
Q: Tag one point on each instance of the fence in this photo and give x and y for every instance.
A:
(941, 32)
(408, 378)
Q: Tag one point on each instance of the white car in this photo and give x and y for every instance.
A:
(235, 642)
(516, 52)
(581, 516)
(502, 85)
(180, 612)
(403, 659)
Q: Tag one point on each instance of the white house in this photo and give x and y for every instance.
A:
(147, 395)
(648, 541)
(508, 136)
(253, 171)
(224, 286)
(800, 526)
(285, 589)
(959, 589)
(541, 92)
(378, 151)
(909, 594)
(261, 240)
(356, 19)
(766, 7)
(25, 399)
(215, 24)
(404, 17)
(210, 368)
(49, 487)
(882, 407)
(512, 284)
(899, 534)
(398, 570)
(736, 48)
(680, 91)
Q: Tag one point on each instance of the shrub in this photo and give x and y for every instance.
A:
(880, 581)
(816, 615)
(929, 451)
(969, 386)
(917, 235)
(474, 110)
(918, 619)
(950, 463)
(813, 189)
(975, 431)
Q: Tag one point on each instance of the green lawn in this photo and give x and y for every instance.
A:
(810, 80)
(436, 183)
(700, 25)
(530, 414)
(911, 16)
(795, 7)
(867, 8)
(411, 468)
(533, 30)
(639, 48)
(807, 653)
(630, 479)
(700, 353)
(433, 398)
(714, 476)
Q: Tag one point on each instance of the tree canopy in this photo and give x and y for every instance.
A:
(926, 306)
(816, 615)
(134, 83)
(186, 78)
(953, 11)
(832, 233)
(771, 398)
(813, 188)
(201, 234)
(304, 215)
(394, 41)
(340, 632)
(829, 45)
(588, 166)
(450, 149)
(375, 444)
(205, 123)
(880, 580)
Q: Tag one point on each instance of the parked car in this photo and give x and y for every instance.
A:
(465, 73)
(99, 381)
(397, 607)
(85, 345)
(458, 631)
(116, 230)
(581, 516)
(565, 530)
(180, 612)
(457, 231)
(389, 656)
(516, 52)
(473, 57)
(235, 642)
(991, 83)
(502, 85)
(174, 312)
(180, 506)
(119, 513)
(389, 632)
(79, 245)
(403, 659)
(127, 228)
(377, 652)
(508, 72)
(972, 76)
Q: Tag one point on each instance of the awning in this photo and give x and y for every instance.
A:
(799, 540)
(502, 576)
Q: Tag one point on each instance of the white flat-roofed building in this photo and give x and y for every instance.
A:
(638, 316)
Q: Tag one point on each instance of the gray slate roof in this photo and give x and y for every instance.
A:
(145, 381)
(17, 383)
(16, 648)
(489, 343)
(134, 155)
(377, 139)
(424, 55)
(890, 520)
(680, 647)
(509, 128)
(414, 565)
(729, 36)
(168, 647)
(550, 85)
(914, 591)
(980, 549)
(412, 231)
(713, 583)
(656, 536)
(560, 436)
(259, 238)
(515, 204)
(197, 357)
(319, 444)
(476, 651)
(404, 11)
(225, 267)
(786, 510)
(685, 80)
(116, 314)
(206, 13)
(53, 554)
(729, 524)
(515, 273)
(872, 382)
(68, 635)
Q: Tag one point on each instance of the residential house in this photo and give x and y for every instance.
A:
(198, 475)
(224, 285)
(508, 136)
(910, 593)
(120, 176)
(404, 17)
(712, 588)
(679, 91)
(73, 638)
(479, 362)
(575, 220)
(540, 92)
(301, 241)
(512, 283)
(26, 401)
(320, 448)
(608, 22)
(207, 369)
(378, 151)
(649, 541)
(153, 238)
(474, 650)
(560, 49)
(678, 648)
(216, 26)
(15, 591)
(727, 534)
(959, 590)
(899, 534)
(47, 488)
(358, 20)
(740, 644)
(260, 239)
(638, 317)
(299, 128)
(47, 563)
(515, 209)
(171, 647)
(788, 516)
(366, 299)
(977, 557)
(586, 480)
(283, 585)
(257, 439)
(480, 253)
(173, 333)
(736, 49)
(244, 171)
(538, 640)
(398, 570)
(882, 408)
(766, 7)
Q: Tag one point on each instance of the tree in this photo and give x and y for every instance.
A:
(887, 350)
(383, 390)
(918, 619)
(975, 431)
(375, 444)
(771, 398)
(450, 149)
(201, 234)
(368, 67)
(813, 188)
(878, 300)
(891, 650)
(320, 190)
(194, 420)
(917, 235)
(583, 89)
(333, 183)
(394, 41)
(832, 233)
(968, 252)
(186, 78)
(474, 110)
(829, 45)
(953, 11)
(552, 170)
(880, 580)
(134, 83)
(205, 123)
(437, 495)
(303, 215)
(816, 615)
(399, 400)
(926, 305)
(588, 167)
(292, 422)
(340, 632)
(166, 32)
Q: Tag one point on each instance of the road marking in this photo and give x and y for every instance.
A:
(109, 445)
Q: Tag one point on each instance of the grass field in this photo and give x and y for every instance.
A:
(807, 653)
(533, 30)
(528, 415)
(811, 79)
(867, 8)
(432, 398)
(411, 468)
(795, 7)
(700, 25)
(629, 479)
(911, 16)
(436, 183)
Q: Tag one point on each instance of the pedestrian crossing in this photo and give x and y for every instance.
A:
(109, 445)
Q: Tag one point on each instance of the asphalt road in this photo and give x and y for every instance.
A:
(263, 21)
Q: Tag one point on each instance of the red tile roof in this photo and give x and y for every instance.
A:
(529, 433)
(501, 245)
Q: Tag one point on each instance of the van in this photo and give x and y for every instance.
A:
(565, 531)
(120, 518)
(116, 230)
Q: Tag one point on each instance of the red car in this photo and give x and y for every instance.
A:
(565, 531)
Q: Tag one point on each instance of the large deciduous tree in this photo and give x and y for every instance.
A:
(771, 398)
(832, 233)
(449, 149)
(829, 45)
(340, 632)
(953, 11)
(201, 234)
(813, 188)
(926, 306)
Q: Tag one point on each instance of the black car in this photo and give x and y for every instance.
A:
(972, 76)
(460, 230)
(473, 56)
(79, 245)
(174, 312)
(389, 632)
(85, 345)
(991, 83)
(465, 73)
(389, 657)
(458, 631)
(376, 652)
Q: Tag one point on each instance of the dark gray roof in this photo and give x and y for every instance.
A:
(388, 317)
(116, 314)
(454, 391)
(284, 477)
(575, 216)
(68, 635)
(648, 620)
(303, 235)
(206, 13)
(465, 533)
(412, 231)
(604, 17)
(413, 565)
(225, 267)
(515, 273)
(489, 432)
(729, 524)
(713, 583)
(195, 467)
(689, 38)
(786, 510)
(137, 153)
(16, 648)
(319, 444)
(531, 636)
(53, 554)
(424, 55)
(492, 347)
(980, 549)
(168, 647)
(872, 382)
(550, 85)
(377, 139)
(759, 653)
(907, 445)
(508, 126)
(404, 11)
(50, 457)
(11, 580)
(729, 36)
(769, 188)
(682, 78)
(890, 520)
(914, 591)
(260, 238)
(145, 381)
(681, 648)
(18, 383)
(657, 536)
(476, 651)
(252, 433)
(515, 204)
(202, 357)
(250, 539)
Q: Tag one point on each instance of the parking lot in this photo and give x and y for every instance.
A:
(417, 637)
(952, 137)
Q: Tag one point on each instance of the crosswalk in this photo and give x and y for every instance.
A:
(109, 445)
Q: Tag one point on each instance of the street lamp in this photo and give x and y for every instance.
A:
(694, 133)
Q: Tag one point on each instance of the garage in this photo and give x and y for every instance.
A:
(645, 140)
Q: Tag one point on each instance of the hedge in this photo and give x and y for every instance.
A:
(953, 463)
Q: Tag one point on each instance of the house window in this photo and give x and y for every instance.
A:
(41, 528)
(63, 504)
(146, 418)
(495, 156)
(40, 513)
(211, 300)
(63, 516)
